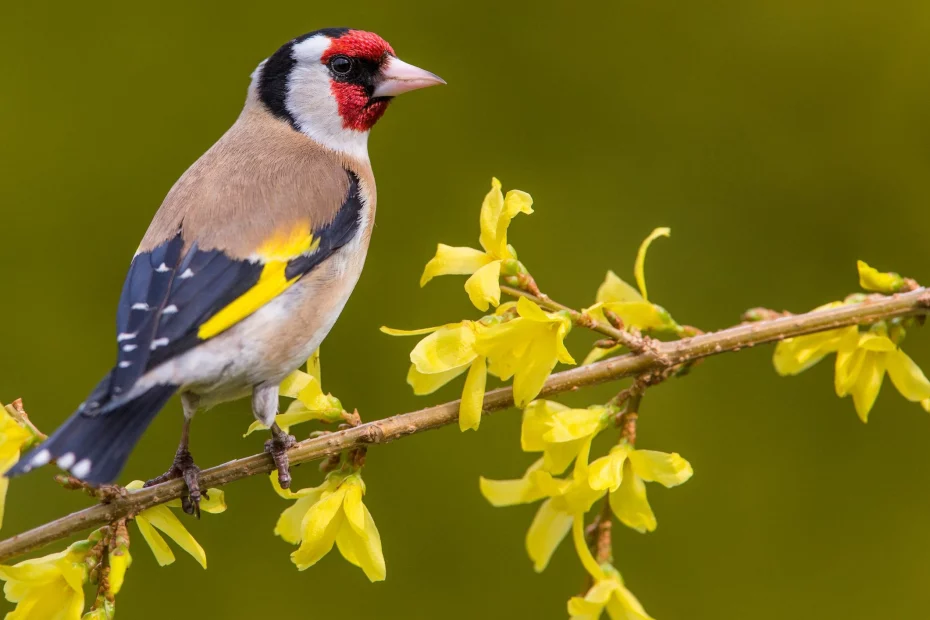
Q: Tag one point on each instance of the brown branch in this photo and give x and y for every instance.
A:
(914, 303)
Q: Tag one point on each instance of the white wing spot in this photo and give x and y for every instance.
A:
(125, 364)
(172, 309)
(125, 336)
(187, 274)
(140, 306)
(41, 458)
(159, 342)
(81, 469)
(65, 461)
(162, 268)
(128, 348)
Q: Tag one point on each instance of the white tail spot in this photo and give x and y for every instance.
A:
(162, 268)
(65, 461)
(159, 342)
(125, 336)
(172, 309)
(128, 348)
(140, 306)
(125, 364)
(187, 274)
(41, 458)
(81, 469)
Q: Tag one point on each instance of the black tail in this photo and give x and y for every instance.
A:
(95, 447)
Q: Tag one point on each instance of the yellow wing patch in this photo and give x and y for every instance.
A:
(275, 253)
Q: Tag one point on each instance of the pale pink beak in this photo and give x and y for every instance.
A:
(399, 77)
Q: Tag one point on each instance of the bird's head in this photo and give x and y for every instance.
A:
(334, 85)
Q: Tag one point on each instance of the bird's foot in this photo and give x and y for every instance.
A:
(184, 467)
(278, 446)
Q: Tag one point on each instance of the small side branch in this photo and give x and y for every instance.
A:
(914, 303)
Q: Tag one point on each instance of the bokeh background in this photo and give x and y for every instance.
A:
(781, 141)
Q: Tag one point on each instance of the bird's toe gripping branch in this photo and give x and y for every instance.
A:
(278, 446)
(184, 467)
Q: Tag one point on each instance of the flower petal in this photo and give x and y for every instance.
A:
(872, 279)
(549, 528)
(158, 545)
(491, 209)
(630, 505)
(847, 369)
(320, 527)
(120, 561)
(639, 267)
(573, 424)
(667, 469)
(473, 395)
(512, 492)
(453, 261)
(868, 384)
(427, 384)
(907, 376)
(450, 347)
(362, 546)
(615, 289)
(483, 287)
(390, 331)
(165, 520)
(529, 309)
(537, 417)
(607, 471)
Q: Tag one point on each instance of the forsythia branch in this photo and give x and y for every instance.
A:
(914, 303)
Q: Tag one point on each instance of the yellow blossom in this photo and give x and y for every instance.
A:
(610, 595)
(48, 588)
(559, 432)
(13, 436)
(483, 287)
(862, 362)
(161, 518)
(872, 279)
(310, 402)
(626, 470)
(631, 305)
(564, 499)
(447, 352)
(526, 348)
(332, 513)
(795, 355)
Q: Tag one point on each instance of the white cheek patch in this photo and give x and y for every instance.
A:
(311, 102)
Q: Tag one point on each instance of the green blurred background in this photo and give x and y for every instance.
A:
(781, 141)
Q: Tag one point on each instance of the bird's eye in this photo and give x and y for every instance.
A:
(341, 65)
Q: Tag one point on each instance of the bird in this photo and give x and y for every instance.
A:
(248, 262)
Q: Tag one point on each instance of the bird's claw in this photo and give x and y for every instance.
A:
(278, 446)
(184, 467)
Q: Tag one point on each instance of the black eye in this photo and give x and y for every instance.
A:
(341, 65)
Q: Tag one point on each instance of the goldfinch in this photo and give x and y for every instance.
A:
(250, 259)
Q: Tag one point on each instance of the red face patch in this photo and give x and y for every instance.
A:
(359, 44)
(355, 108)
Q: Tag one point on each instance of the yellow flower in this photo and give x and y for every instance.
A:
(862, 362)
(332, 513)
(447, 352)
(558, 432)
(566, 498)
(48, 588)
(13, 436)
(630, 304)
(310, 402)
(795, 355)
(526, 348)
(608, 594)
(625, 470)
(163, 519)
(872, 279)
(483, 287)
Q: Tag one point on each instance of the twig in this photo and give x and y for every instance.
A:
(619, 336)
(914, 303)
